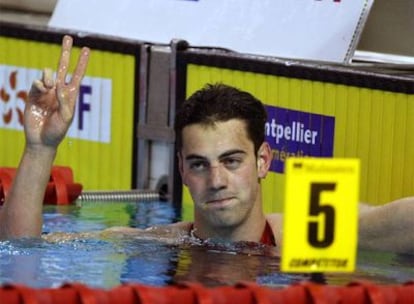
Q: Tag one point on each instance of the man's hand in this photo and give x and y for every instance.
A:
(51, 103)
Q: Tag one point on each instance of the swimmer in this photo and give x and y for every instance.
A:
(222, 157)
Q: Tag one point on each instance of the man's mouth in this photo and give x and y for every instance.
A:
(219, 202)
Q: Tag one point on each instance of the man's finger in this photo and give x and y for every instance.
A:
(47, 78)
(80, 67)
(37, 87)
(64, 60)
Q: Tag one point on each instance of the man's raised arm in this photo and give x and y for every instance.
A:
(48, 114)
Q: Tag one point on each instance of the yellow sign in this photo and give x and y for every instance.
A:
(321, 215)
(99, 145)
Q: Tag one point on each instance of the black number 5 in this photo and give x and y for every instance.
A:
(316, 208)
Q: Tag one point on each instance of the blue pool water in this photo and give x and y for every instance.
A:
(107, 262)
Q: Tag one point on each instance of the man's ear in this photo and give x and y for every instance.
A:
(264, 159)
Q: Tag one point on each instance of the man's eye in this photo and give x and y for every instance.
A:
(198, 166)
(232, 163)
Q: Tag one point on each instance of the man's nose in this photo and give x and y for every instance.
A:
(217, 177)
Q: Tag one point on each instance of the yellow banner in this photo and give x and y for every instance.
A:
(99, 144)
(369, 124)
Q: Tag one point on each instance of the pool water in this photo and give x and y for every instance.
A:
(108, 262)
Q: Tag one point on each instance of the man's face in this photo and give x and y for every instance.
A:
(220, 168)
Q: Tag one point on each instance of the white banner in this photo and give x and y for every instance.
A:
(92, 119)
(326, 30)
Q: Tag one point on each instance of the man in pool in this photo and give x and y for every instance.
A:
(222, 159)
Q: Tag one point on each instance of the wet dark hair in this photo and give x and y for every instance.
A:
(220, 103)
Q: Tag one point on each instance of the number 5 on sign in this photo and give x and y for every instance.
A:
(320, 223)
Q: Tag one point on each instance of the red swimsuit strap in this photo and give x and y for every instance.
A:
(267, 237)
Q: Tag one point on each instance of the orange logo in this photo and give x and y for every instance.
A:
(8, 97)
